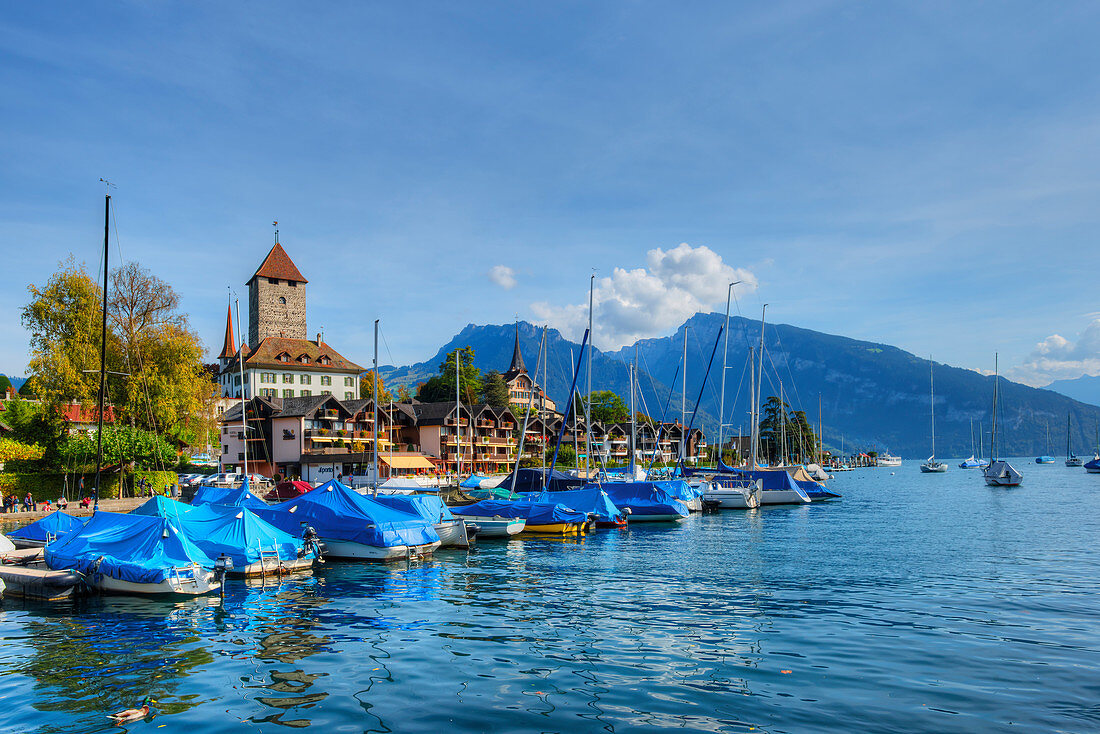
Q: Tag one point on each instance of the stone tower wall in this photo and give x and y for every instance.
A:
(267, 316)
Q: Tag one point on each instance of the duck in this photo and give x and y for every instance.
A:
(132, 714)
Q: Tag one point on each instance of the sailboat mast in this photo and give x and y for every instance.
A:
(684, 400)
(820, 433)
(375, 401)
(633, 424)
(244, 417)
(722, 392)
(993, 435)
(1067, 435)
(752, 404)
(932, 390)
(102, 353)
(588, 398)
(759, 382)
(458, 417)
(576, 423)
(782, 427)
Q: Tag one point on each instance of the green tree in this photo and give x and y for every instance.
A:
(777, 417)
(494, 391)
(5, 383)
(607, 407)
(121, 445)
(366, 388)
(441, 388)
(566, 456)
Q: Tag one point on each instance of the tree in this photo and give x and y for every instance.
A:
(441, 388)
(608, 407)
(366, 387)
(404, 395)
(121, 445)
(12, 450)
(494, 390)
(5, 383)
(777, 419)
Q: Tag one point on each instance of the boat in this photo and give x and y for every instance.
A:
(231, 496)
(646, 502)
(727, 493)
(135, 554)
(970, 463)
(1072, 459)
(1093, 467)
(453, 532)
(551, 518)
(498, 527)
(352, 526)
(256, 547)
(999, 473)
(48, 529)
(932, 465)
(592, 500)
(1046, 458)
(888, 459)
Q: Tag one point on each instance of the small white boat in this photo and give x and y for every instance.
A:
(933, 466)
(732, 494)
(497, 527)
(1002, 474)
(192, 580)
(888, 459)
(453, 533)
(783, 497)
(350, 550)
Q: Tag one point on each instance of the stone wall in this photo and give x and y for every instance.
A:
(276, 310)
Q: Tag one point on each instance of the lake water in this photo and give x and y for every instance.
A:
(918, 603)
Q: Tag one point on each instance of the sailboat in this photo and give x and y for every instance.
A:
(999, 473)
(1046, 458)
(1093, 467)
(970, 462)
(1071, 458)
(932, 466)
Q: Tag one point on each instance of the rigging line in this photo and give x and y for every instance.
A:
(787, 364)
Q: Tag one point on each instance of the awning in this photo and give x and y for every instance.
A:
(406, 462)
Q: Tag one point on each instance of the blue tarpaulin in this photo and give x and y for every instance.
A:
(338, 513)
(137, 548)
(679, 489)
(536, 513)
(236, 497)
(590, 500)
(534, 480)
(644, 498)
(235, 531)
(429, 507)
(54, 526)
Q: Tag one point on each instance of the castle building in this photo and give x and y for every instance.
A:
(279, 361)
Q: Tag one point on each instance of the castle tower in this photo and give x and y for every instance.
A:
(276, 299)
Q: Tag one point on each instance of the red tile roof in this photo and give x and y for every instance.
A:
(266, 355)
(77, 413)
(278, 265)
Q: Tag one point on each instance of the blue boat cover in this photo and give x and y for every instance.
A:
(471, 482)
(679, 489)
(57, 524)
(536, 513)
(159, 506)
(534, 480)
(1094, 464)
(238, 533)
(428, 506)
(338, 513)
(136, 548)
(236, 497)
(644, 498)
(590, 500)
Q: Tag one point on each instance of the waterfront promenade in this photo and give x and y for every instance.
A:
(120, 505)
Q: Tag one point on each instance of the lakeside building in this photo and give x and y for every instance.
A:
(281, 362)
(522, 387)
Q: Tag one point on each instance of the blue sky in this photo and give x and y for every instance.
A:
(921, 174)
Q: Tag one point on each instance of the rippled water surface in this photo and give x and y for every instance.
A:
(917, 603)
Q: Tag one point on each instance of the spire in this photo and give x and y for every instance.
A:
(517, 357)
(229, 348)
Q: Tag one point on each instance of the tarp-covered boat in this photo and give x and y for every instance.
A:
(234, 496)
(591, 500)
(256, 546)
(353, 526)
(46, 530)
(541, 517)
(287, 491)
(646, 501)
(534, 480)
(135, 554)
(452, 531)
(683, 491)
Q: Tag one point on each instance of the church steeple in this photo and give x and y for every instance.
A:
(517, 357)
(229, 348)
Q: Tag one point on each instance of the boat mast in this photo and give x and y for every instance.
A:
(375, 401)
(632, 422)
(102, 353)
(1067, 435)
(820, 433)
(932, 389)
(752, 404)
(993, 435)
(722, 392)
(782, 427)
(244, 417)
(458, 418)
(576, 424)
(684, 400)
(759, 382)
(588, 398)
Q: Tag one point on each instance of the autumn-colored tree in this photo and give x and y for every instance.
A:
(366, 388)
(12, 450)
(404, 395)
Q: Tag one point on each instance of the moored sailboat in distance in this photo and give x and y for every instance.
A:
(932, 466)
(1046, 458)
(999, 473)
(1072, 459)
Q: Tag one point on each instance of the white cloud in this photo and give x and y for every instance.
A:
(649, 301)
(1057, 358)
(503, 276)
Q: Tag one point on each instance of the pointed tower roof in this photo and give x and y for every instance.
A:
(229, 348)
(517, 358)
(278, 265)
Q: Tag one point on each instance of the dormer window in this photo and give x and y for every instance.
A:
(303, 358)
(283, 357)
(323, 359)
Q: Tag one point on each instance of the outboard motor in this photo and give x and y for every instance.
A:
(222, 566)
(312, 543)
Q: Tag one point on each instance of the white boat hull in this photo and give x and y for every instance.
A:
(452, 534)
(732, 499)
(781, 497)
(350, 550)
(933, 468)
(202, 583)
(271, 567)
(496, 527)
(1002, 474)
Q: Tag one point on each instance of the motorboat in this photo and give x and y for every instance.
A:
(135, 554)
(496, 526)
(591, 500)
(646, 501)
(1044, 459)
(888, 459)
(727, 493)
(48, 529)
(550, 517)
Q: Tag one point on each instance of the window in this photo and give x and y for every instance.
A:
(282, 301)
(292, 283)
(268, 392)
(349, 382)
(273, 281)
(303, 358)
(305, 393)
(240, 457)
(288, 393)
(225, 449)
(323, 359)
(305, 379)
(326, 392)
(349, 395)
(326, 379)
(288, 377)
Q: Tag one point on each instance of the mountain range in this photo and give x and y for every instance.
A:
(1085, 388)
(872, 396)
